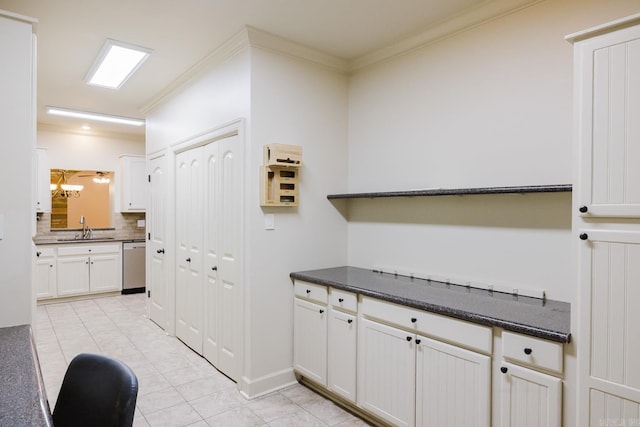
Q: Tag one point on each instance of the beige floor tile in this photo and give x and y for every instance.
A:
(237, 417)
(174, 416)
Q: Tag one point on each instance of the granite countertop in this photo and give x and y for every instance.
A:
(48, 240)
(546, 319)
(23, 401)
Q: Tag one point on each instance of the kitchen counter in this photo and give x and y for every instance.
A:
(23, 401)
(55, 241)
(546, 319)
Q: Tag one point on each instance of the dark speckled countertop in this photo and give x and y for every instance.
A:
(546, 319)
(22, 397)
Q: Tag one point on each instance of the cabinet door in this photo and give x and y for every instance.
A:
(43, 179)
(134, 184)
(386, 372)
(609, 132)
(104, 273)
(453, 385)
(610, 322)
(310, 340)
(73, 275)
(45, 277)
(341, 362)
(530, 398)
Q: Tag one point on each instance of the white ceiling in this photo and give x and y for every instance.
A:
(182, 32)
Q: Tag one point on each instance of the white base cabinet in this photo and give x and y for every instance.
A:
(401, 365)
(45, 272)
(77, 269)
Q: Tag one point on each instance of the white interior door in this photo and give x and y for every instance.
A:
(223, 246)
(189, 251)
(156, 246)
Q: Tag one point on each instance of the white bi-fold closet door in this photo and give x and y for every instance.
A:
(209, 202)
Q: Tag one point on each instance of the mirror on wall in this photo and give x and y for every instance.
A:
(76, 193)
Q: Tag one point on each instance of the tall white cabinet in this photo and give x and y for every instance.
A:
(607, 221)
(209, 201)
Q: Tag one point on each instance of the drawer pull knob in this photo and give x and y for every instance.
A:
(584, 236)
(214, 268)
(321, 311)
(418, 340)
(409, 338)
(160, 251)
(38, 253)
(504, 369)
(414, 320)
(583, 209)
(340, 299)
(527, 350)
(350, 321)
(308, 291)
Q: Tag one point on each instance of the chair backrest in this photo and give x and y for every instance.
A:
(97, 391)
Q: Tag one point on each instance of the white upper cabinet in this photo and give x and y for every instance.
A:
(607, 126)
(43, 178)
(133, 184)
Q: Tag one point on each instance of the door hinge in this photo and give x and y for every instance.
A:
(149, 178)
(148, 236)
(149, 294)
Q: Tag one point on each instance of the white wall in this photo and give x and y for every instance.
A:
(292, 102)
(17, 157)
(66, 150)
(283, 100)
(492, 106)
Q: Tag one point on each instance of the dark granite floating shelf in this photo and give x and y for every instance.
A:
(456, 191)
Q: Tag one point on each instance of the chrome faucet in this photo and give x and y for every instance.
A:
(86, 231)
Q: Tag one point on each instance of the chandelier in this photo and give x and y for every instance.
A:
(63, 189)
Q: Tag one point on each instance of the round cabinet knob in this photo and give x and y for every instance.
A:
(160, 251)
(584, 236)
(527, 351)
(308, 291)
(414, 320)
(504, 369)
(188, 259)
(409, 338)
(340, 299)
(418, 340)
(215, 268)
(350, 321)
(583, 209)
(38, 253)
(321, 311)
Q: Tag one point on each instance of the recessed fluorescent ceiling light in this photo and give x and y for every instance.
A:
(55, 111)
(115, 63)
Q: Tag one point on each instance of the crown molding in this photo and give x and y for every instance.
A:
(225, 51)
(271, 42)
(618, 24)
(464, 21)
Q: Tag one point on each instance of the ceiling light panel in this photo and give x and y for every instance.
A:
(55, 111)
(115, 63)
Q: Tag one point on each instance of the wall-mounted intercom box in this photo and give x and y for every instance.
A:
(279, 175)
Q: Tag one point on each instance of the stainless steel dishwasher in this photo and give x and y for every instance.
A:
(133, 267)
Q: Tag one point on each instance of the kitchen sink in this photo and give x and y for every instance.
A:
(73, 239)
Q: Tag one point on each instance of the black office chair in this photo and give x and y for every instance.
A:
(96, 391)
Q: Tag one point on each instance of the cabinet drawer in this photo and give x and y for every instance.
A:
(45, 252)
(344, 300)
(310, 291)
(465, 334)
(88, 249)
(532, 351)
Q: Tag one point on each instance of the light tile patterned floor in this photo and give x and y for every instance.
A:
(177, 387)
